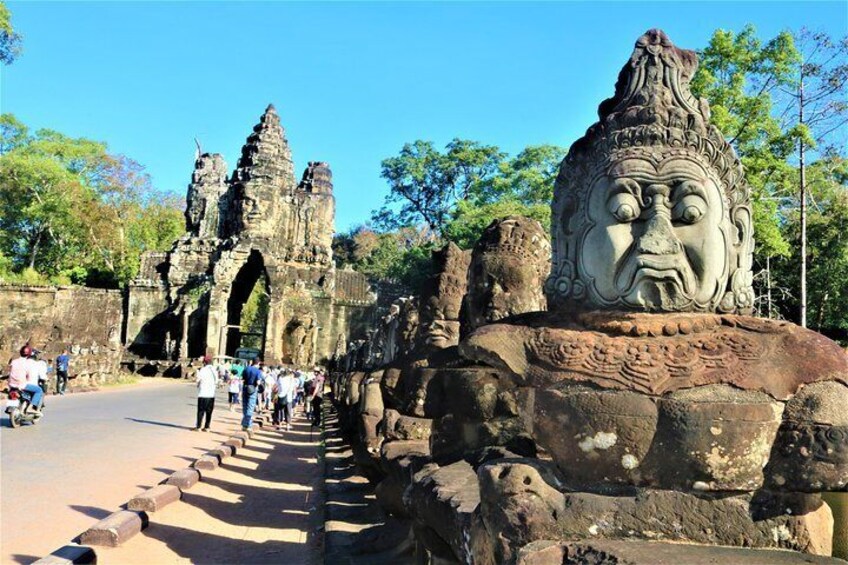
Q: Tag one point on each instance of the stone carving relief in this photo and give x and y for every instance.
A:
(440, 303)
(651, 209)
(509, 266)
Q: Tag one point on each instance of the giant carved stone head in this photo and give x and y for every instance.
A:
(438, 326)
(509, 266)
(651, 210)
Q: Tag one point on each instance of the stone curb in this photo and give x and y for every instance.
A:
(184, 479)
(155, 498)
(120, 526)
(68, 554)
(207, 462)
(235, 443)
(222, 451)
(115, 529)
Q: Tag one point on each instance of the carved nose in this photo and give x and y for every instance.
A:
(659, 238)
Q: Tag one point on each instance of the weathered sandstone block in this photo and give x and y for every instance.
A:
(115, 529)
(155, 498)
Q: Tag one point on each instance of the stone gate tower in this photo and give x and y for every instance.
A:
(258, 225)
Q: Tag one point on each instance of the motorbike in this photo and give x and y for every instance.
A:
(18, 408)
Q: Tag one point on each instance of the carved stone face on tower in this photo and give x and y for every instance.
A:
(263, 178)
(651, 210)
(508, 269)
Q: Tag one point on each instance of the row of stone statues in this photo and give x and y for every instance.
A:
(609, 386)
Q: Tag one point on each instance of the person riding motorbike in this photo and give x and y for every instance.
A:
(40, 369)
(23, 376)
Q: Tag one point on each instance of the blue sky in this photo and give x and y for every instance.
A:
(352, 81)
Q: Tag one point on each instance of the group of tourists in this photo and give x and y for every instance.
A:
(30, 372)
(260, 388)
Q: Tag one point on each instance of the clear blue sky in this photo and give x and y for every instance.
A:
(352, 81)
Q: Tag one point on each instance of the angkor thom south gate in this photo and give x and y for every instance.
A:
(257, 224)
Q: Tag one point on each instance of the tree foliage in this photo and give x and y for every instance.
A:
(739, 75)
(10, 40)
(402, 255)
(451, 195)
(425, 183)
(254, 315)
(756, 91)
(827, 231)
(71, 211)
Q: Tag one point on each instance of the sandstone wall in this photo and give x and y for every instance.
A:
(86, 320)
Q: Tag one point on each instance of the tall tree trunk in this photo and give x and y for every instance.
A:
(803, 171)
(768, 286)
(822, 308)
(36, 244)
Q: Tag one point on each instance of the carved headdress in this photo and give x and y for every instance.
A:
(509, 266)
(652, 116)
(518, 236)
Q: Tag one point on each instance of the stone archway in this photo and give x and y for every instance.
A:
(252, 273)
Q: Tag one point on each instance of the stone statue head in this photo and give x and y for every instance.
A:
(440, 302)
(651, 210)
(509, 266)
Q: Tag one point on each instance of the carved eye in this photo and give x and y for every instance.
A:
(690, 209)
(624, 207)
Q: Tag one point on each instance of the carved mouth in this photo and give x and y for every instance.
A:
(660, 269)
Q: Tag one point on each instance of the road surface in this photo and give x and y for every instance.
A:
(90, 454)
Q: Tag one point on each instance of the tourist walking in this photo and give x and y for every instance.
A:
(270, 377)
(298, 398)
(308, 390)
(234, 387)
(317, 398)
(286, 387)
(252, 377)
(207, 379)
(63, 362)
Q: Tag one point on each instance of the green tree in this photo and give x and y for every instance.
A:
(468, 221)
(827, 232)
(402, 255)
(425, 183)
(10, 40)
(739, 75)
(816, 110)
(527, 178)
(524, 185)
(70, 209)
(254, 315)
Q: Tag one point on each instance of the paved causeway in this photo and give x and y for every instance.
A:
(89, 455)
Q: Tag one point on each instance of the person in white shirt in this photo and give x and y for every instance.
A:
(207, 380)
(38, 374)
(286, 388)
(270, 379)
(234, 389)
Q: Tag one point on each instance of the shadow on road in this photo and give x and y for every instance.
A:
(92, 511)
(20, 558)
(202, 547)
(260, 506)
(166, 424)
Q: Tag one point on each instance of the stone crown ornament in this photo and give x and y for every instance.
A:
(520, 237)
(651, 210)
